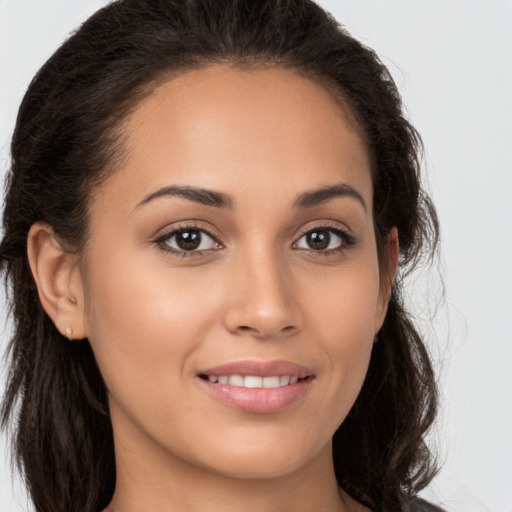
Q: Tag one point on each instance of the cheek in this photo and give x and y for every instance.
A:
(344, 302)
(140, 321)
(341, 320)
(143, 329)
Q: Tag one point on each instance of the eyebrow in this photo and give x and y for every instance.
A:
(324, 194)
(220, 200)
(198, 195)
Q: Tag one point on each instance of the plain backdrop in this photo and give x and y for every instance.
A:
(451, 61)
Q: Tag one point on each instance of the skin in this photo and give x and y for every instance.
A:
(256, 290)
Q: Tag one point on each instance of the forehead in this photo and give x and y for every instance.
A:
(242, 130)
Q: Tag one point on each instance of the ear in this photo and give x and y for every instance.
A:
(388, 272)
(58, 280)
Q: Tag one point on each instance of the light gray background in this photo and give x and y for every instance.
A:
(451, 61)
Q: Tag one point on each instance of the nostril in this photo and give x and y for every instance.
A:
(289, 329)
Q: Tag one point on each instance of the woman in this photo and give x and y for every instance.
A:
(207, 206)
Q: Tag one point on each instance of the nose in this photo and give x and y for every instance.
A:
(262, 300)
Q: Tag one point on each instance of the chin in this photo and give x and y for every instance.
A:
(264, 459)
(259, 468)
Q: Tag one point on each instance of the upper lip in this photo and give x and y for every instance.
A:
(259, 368)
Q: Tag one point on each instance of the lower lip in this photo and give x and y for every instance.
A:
(258, 400)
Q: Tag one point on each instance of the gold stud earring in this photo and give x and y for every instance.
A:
(69, 334)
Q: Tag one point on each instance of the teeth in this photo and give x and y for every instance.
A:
(284, 380)
(251, 381)
(236, 380)
(271, 382)
(254, 381)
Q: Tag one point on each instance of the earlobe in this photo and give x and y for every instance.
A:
(392, 252)
(58, 280)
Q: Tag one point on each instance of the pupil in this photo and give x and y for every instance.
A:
(318, 240)
(188, 240)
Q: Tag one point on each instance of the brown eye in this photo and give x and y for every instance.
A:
(318, 240)
(326, 240)
(188, 240)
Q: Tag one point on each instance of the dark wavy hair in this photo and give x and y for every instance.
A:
(68, 139)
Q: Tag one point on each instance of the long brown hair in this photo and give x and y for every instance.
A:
(68, 138)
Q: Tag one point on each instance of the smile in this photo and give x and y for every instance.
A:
(253, 381)
(256, 386)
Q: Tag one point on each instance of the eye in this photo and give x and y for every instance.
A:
(324, 239)
(189, 240)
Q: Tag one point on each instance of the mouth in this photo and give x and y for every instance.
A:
(257, 387)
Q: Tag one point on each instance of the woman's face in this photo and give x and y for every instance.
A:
(234, 249)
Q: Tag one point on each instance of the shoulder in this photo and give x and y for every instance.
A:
(419, 505)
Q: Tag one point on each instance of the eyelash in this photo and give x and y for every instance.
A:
(347, 240)
(162, 241)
